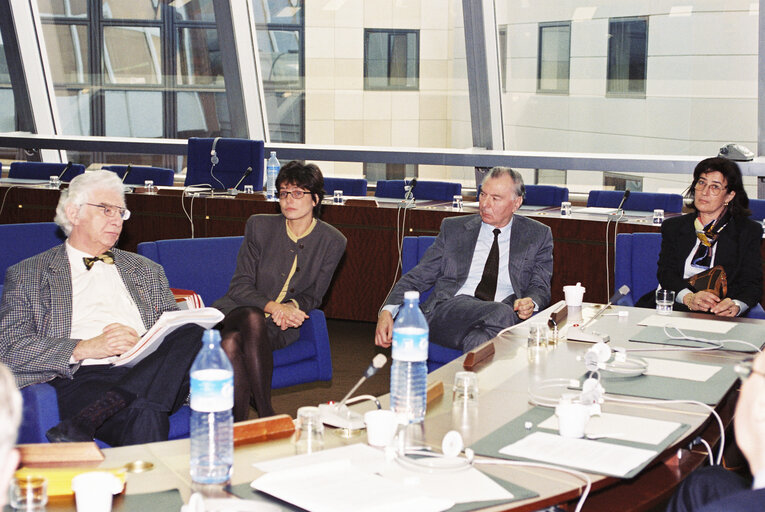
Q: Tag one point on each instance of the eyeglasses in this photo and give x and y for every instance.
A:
(110, 210)
(714, 188)
(296, 194)
(746, 368)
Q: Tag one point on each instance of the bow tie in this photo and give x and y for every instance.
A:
(107, 257)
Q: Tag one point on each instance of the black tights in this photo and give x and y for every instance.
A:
(245, 341)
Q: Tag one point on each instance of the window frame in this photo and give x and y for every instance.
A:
(560, 90)
(611, 81)
(389, 86)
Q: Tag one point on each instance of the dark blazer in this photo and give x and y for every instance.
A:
(265, 260)
(446, 263)
(738, 251)
(36, 310)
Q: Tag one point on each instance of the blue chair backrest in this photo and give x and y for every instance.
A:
(138, 174)
(205, 265)
(22, 241)
(545, 195)
(43, 170)
(639, 201)
(426, 190)
(349, 186)
(635, 263)
(234, 157)
(412, 250)
(758, 208)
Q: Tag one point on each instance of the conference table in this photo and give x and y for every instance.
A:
(583, 243)
(504, 381)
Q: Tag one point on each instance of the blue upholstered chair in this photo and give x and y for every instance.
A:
(349, 186)
(43, 170)
(758, 209)
(432, 190)
(413, 249)
(21, 241)
(206, 266)
(234, 156)
(635, 264)
(545, 195)
(639, 201)
(138, 174)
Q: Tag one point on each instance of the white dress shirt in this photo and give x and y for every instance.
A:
(481, 254)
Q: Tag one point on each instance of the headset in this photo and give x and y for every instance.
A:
(214, 161)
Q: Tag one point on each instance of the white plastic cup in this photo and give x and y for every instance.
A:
(574, 295)
(572, 419)
(93, 491)
(665, 300)
(382, 425)
(309, 431)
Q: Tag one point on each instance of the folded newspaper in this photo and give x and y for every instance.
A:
(167, 323)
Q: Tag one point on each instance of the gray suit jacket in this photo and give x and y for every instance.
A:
(36, 310)
(446, 263)
(265, 260)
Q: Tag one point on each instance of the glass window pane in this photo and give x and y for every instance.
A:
(285, 115)
(278, 11)
(133, 113)
(194, 10)
(132, 55)
(391, 59)
(198, 57)
(63, 8)
(554, 54)
(67, 47)
(74, 111)
(203, 114)
(627, 56)
(280, 57)
(132, 9)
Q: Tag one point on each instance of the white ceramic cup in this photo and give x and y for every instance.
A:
(572, 418)
(574, 295)
(93, 491)
(381, 426)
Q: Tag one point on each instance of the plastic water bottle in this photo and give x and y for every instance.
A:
(272, 170)
(409, 371)
(212, 421)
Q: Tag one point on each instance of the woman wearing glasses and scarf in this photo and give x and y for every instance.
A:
(718, 232)
(283, 269)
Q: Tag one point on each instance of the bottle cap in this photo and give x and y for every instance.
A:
(411, 295)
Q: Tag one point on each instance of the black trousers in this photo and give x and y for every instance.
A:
(160, 383)
(713, 488)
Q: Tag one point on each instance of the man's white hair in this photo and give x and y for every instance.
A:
(10, 412)
(79, 192)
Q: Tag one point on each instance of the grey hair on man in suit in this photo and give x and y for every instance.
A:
(79, 191)
(10, 418)
(496, 172)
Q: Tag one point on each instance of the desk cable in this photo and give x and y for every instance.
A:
(5, 196)
(616, 230)
(190, 213)
(400, 233)
(714, 344)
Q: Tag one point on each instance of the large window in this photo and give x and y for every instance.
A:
(554, 57)
(391, 59)
(627, 55)
(140, 68)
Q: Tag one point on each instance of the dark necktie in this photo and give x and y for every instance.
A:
(487, 288)
(107, 257)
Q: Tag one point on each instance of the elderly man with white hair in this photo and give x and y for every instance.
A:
(68, 312)
(10, 417)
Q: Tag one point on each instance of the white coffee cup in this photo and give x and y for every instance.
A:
(572, 418)
(93, 491)
(574, 294)
(381, 426)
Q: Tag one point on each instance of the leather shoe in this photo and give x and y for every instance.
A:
(67, 433)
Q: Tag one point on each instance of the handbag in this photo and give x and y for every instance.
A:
(713, 280)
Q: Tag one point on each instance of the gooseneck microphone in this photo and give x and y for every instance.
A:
(377, 363)
(127, 171)
(621, 292)
(624, 198)
(410, 192)
(66, 168)
(246, 173)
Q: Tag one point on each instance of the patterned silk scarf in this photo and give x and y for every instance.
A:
(708, 235)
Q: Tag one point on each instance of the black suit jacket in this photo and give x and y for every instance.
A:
(738, 251)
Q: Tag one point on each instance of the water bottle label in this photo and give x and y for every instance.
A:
(212, 390)
(410, 344)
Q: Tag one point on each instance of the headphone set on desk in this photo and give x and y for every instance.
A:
(433, 462)
(214, 161)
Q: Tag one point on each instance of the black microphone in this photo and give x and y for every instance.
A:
(68, 166)
(624, 198)
(127, 171)
(410, 193)
(246, 173)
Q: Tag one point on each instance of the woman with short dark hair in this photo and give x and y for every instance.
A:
(718, 232)
(283, 269)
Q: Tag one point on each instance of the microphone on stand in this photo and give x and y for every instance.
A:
(127, 171)
(409, 196)
(624, 198)
(234, 191)
(582, 334)
(338, 415)
(66, 168)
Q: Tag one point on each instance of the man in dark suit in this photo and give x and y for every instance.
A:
(488, 271)
(715, 489)
(67, 313)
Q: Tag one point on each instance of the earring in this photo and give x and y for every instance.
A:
(726, 203)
